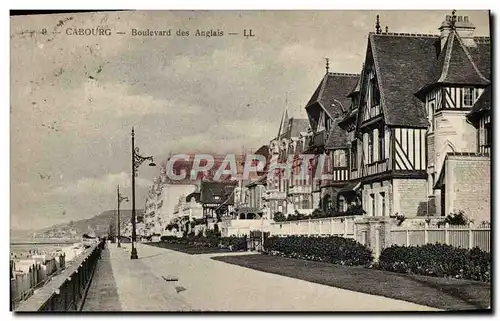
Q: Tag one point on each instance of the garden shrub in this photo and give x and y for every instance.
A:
(438, 260)
(332, 249)
(234, 243)
(455, 219)
(279, 217)
(211, 240)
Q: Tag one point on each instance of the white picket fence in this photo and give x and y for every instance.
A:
(459, 236)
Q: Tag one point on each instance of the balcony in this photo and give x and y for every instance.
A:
(377, 167)
(275, 195)
(299, 189)
(370, 112)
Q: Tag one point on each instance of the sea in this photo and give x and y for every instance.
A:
(25, 245)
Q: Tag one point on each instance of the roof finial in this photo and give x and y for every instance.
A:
(377, 26)
(327, 64)
(386, 29)
(453, 19)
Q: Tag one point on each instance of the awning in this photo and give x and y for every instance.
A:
(350, 187)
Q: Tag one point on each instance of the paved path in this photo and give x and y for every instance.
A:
(208, 285)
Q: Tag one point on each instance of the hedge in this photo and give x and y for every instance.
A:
(438, 260)
(332, 249)
(232, 243)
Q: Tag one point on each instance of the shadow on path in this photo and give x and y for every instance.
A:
(150, 256)
(103, 294)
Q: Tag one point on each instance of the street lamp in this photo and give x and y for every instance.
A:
(137, 160)
(120, 199)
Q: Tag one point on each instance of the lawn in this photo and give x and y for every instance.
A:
(442, 293)
(188, 249)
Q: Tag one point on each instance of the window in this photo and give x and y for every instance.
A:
(468, 97)
(341, 204)
(488, 135)
(372, 196)
(432, 182)
(339, 158)
(305, 201)
(370, 148)
(375, 94)
(382, 201)
(381, 143)
(432, 120)
(354, 155)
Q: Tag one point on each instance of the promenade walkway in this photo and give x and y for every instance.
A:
(165, 280)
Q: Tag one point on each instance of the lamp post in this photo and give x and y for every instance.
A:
(120, 199)
(137, 160)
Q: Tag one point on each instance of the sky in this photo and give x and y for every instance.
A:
(74, 99)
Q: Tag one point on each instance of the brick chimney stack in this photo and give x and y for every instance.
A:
(462, 25)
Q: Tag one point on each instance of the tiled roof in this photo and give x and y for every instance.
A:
(482, 104)
(196, 196)
(402, 64)
(337, 138)
(481, 55)
(332, 93)
(356, 89)
(217, 192)
(263, 150)
(456, 64)
(296, 126)
(349, 117)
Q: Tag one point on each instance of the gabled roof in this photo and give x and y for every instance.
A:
(337, 138)
(356, 89)
(283, 122)
(402, 64)
(456, 65)
(483, 104)
(332, 92)
(296, 126)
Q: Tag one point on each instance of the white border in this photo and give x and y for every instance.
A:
(185, 4)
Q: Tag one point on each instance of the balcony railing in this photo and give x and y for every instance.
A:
(338, 175)
(377, 167)
(371, 112)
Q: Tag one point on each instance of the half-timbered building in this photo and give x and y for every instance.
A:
(326, 108)
(418, 115)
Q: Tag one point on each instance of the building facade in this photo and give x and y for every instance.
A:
(416, 137)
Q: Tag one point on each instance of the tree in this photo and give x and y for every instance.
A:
(279, 217)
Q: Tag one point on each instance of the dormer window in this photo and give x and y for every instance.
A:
(468, 97)
(339, 158)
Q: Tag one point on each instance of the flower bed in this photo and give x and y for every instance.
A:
(333, 249)
(437, 260)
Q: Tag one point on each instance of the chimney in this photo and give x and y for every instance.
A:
(463, 27)
(465, 30)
